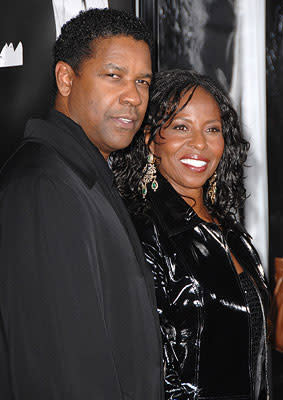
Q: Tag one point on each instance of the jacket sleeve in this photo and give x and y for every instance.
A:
(52, 333)
(173, 339)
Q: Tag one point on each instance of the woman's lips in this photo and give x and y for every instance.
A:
(195, 164)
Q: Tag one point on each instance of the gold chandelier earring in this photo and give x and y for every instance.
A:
(149, 176)
(212, 188)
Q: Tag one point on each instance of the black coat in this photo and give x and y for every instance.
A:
(205, 321)
(78, 319)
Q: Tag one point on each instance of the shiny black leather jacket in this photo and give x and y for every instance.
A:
(205, 321)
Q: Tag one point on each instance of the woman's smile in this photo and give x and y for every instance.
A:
(195, 162)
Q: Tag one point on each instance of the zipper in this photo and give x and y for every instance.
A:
(251, 372)
(265, 339)
(257, 261)
(200, 319)
(258, 266)
(228, 251)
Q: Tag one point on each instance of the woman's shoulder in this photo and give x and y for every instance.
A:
(231, 224)
(242, 242)
(145, 224)
(149, 228)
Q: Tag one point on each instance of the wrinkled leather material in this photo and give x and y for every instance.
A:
(204, 317)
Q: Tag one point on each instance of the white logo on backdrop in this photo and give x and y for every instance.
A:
(64, 10)
(11, 57)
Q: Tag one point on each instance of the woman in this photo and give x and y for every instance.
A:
(183, 181)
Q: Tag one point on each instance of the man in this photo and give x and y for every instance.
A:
(77, 308)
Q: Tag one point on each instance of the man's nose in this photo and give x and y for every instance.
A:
(198, 140)
(131, 95)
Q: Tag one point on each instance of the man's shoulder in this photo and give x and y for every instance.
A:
(35, 175)
(31, 159)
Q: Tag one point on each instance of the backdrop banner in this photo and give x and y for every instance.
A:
(64, 10)
(226, 40)
(274, 71)
(28, 30)
(221, 38)
(249, 94)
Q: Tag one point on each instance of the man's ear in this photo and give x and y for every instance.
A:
(64, 78)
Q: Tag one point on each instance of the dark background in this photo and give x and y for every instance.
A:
(127, 5)
(26, 91)
(274, 75)
(201, 34)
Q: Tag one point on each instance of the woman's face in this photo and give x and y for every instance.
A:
(191, 147)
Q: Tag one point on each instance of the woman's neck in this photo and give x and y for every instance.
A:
(194, 198)
(199, 207)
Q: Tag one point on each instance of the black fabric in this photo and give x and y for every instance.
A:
(77, 308)
(204, 315)
(256, 330)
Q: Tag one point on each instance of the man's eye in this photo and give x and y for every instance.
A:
(143, 82)
(114, 76)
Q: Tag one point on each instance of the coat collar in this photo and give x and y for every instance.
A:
(70, 141)
(173, 213)
(176, 216)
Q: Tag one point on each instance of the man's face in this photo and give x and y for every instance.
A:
(109, 95)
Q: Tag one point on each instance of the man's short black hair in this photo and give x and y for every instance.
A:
(74, 45)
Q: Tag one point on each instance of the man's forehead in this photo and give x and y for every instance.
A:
(119, 51)
(122, 68)
(119, 43)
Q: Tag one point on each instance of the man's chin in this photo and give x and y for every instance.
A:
(123, 142)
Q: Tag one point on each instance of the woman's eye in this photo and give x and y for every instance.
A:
(213, 130)
(180, 127)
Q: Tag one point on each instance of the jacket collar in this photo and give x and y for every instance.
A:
(176, 216)
(173, 213)
(70, 141)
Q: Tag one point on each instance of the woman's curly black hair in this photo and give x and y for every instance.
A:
(166, 92)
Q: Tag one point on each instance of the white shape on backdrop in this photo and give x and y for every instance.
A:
(64, 10)
(249, 94)
(137, 6)
(11, 57)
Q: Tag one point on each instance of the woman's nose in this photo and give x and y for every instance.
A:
(198, 140)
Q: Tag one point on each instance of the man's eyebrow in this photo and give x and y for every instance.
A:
(147, 75)
(116, 67)
(122, 69)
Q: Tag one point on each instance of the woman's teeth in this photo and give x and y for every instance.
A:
(193, 162)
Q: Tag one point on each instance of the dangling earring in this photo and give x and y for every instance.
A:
(212, 188)
(149, 176)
